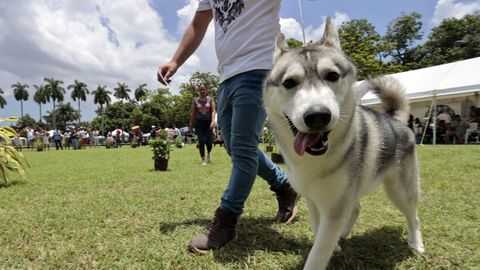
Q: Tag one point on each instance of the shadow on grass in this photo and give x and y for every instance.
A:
(13, 183)
(381, 248)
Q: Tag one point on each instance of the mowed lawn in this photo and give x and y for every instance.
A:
(108, 209)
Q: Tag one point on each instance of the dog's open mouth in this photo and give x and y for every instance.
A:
(314, 143)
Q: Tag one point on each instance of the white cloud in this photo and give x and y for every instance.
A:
(98, 42)
(453, 9)
(293, 29)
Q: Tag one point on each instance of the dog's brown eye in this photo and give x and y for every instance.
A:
(290, 83)
(332, 76)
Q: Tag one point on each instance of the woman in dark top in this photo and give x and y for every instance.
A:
(203, 115)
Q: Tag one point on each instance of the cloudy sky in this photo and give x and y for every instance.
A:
(105, 42)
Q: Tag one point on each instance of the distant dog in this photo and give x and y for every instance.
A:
(336, 150)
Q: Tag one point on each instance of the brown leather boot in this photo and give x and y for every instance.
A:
(218, 233)
(287, 203)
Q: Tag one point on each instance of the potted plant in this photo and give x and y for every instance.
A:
(268, 140)
(10, 159)
(161, 150)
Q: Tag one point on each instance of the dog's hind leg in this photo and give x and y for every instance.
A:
(404, 191)
(353, 218)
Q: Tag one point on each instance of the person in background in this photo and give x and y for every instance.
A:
(30, 138)
(474, 114)
(46, 140)
(203, 113)
(457, 130)
(57, 138)
(244, 42)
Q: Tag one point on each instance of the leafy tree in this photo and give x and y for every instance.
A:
(361, 42)
(3, 102)
(64, 114)
(121, 92)
(21, 94)
(41, 96)
(141, 93)
(26, 121)
(453, 40)
(56, 92)
(79, 93)
(112, 116)
(401, 35)
(294, 43)
(101, 96)
(211, 81)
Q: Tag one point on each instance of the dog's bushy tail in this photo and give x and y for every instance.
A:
(392, 94)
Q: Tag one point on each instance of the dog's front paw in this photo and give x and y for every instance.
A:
(417, 247)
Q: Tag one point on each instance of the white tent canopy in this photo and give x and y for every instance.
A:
(448, 80)
(461, 78)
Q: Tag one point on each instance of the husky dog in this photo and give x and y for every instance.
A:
(335, 150)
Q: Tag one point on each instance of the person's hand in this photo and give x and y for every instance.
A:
(213, 125)
(165, 72)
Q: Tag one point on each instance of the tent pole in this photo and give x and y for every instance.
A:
(425, 128)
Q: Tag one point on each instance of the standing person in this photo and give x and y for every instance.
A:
(245, 41)
(203, 115)
(30, 138)
(57, 138)
(46, 140)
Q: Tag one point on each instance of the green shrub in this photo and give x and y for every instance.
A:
(10, 159)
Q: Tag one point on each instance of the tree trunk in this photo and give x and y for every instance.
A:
(79, 112)
(21, 108)
(40, 105)
(123, 118)
(103, 128)
(54, 122)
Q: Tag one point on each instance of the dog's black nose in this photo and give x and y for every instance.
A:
(317, 117)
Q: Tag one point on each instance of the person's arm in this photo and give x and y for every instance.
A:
(192, 117)
(214, 113)
(192, 38)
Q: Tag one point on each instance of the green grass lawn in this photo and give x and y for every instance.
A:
(107, 209)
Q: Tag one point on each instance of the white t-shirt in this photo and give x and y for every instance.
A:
(245, 33)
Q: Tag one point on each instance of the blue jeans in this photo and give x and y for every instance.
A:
(241, 117)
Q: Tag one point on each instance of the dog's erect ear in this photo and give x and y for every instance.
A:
(330, 36)
(281, 46)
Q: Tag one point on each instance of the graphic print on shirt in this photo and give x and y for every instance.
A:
(226, 11)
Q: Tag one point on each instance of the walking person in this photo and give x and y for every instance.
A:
(244, 44)
(203, 115)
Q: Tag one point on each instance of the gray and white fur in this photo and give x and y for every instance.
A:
(335, 150)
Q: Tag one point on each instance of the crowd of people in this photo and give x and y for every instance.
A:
(450, 128)
(70, 138)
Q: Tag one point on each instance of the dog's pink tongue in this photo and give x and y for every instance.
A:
(304, 140)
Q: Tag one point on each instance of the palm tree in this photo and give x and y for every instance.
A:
(101, 96)
(20, 93)
(41, 96)
(3, 102)
(56, 92)
(79, 93)
(66, 113)
(121, 92)
(141, 93)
